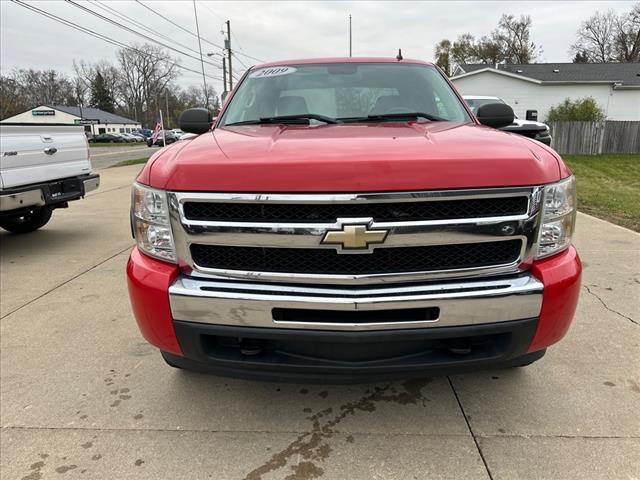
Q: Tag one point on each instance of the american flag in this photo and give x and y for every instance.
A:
(156, 132)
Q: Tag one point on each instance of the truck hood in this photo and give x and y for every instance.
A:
(350, 158)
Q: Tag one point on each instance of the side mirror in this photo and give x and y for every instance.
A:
(495, 115)
(196, 120)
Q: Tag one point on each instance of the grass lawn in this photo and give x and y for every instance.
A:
(608, 186)
(135, 161)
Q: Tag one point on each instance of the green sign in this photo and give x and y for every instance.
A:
(42, 113)
(86, 121)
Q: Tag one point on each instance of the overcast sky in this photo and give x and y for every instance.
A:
(281, 30)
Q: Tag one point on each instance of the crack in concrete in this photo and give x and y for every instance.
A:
(586, 287)
(65, 282)
(473, 435)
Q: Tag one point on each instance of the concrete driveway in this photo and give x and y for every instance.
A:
(83, 396)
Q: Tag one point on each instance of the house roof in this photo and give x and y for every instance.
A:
(89, 113)
(625, 73)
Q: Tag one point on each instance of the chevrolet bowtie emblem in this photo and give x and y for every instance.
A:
(354, 237)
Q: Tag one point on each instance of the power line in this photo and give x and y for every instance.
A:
(99, 36)
(252, 58)
(137, 23)
(233, 35)
(212, 12)
(146, 37)
(176, 24)
(239, 60)
(204, 81)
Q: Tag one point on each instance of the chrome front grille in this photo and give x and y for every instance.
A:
(379, 212)
(432, 234)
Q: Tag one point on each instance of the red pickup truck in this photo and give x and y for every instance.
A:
(348, 220)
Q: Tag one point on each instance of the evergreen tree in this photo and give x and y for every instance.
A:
(100, 95)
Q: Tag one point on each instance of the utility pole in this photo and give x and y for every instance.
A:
(228, 45)
(224, 75)
(350, 43)
(166, 101)
(204, 80)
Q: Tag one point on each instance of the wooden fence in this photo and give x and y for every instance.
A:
(596, 137)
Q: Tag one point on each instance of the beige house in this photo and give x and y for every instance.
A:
(94, 120)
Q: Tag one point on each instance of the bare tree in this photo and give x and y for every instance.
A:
(86, 74)
(627, 38)
(509, 43)
(463, 49)
(596, 37)
(443, 56)
(145, 72)
(11, 100)
(513, 35)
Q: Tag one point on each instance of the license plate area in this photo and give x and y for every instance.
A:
(359, 317)
(63, 190)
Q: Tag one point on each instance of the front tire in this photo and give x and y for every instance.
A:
(34, 219)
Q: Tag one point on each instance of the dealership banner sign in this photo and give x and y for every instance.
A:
(42, 113)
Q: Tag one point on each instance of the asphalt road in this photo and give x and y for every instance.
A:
(105, 157)
(83, 396)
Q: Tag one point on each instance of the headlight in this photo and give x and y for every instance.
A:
(151, 226)
(558, 217)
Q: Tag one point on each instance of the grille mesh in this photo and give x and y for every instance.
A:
(381, 212)
(382, 260)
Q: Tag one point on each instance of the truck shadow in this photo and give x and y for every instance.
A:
(49, 240)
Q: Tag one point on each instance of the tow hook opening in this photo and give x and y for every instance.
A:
(251, 346)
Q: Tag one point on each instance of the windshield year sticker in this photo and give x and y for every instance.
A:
(272, 72)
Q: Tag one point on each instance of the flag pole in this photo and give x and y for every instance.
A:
(164, 141)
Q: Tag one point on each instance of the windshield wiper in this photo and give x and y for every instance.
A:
(393, 116)
(301, 119)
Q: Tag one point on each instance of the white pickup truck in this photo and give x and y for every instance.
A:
(42, 168)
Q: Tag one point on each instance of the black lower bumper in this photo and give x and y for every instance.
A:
(348, 357)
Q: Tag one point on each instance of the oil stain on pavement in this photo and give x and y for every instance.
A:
(313, 447)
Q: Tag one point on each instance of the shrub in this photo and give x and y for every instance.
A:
(581, 110)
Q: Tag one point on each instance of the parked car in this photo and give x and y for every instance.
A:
(107, 138)
(145, 132)
(127, 137)
(169, 138)
(177, 132)
(351, 220)
(139, 137)
(536, 130)
(130, 137)
(43, 168)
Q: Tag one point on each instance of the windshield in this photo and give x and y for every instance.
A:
(344, 91)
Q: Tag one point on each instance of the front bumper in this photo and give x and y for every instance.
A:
(48, 193)
(546, 139)
(244, 329)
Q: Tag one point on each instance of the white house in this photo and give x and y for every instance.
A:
(539, 86)
(94, 120)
